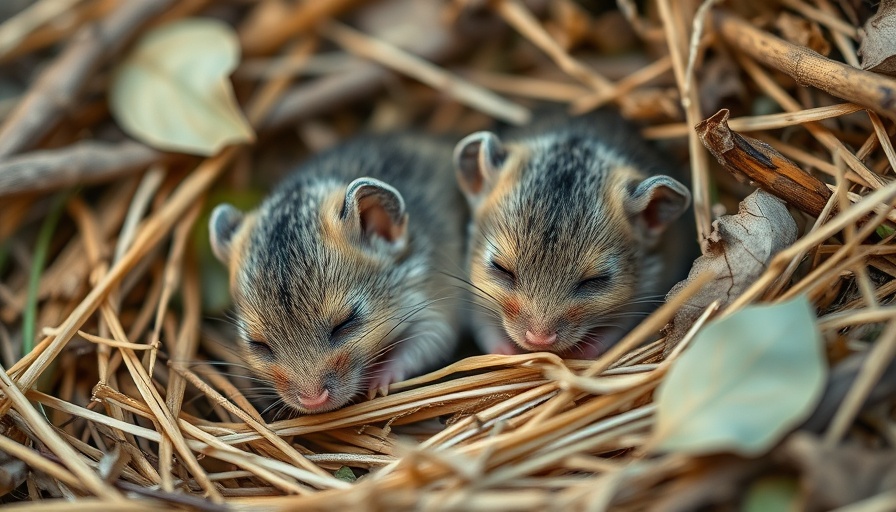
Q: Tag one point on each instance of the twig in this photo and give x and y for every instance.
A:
(879, 358)
(48, 436)
(60, 84)
(676, 38)
(818, 131)
(835, 24)
(395, 58)
(868, 89)
(17, 27)
(519, 16)
(258, 36)
(431, 39)
(81, 163)
(760, 163)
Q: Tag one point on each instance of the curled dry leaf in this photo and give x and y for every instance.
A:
(877, 49)
(739, 388)
(837, 476)
(737, 252)
(172, 91)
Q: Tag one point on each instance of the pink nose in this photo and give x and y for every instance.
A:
(541, 340)
(316, 401)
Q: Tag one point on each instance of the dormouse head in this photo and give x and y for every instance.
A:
(562, 228)
(318, 284)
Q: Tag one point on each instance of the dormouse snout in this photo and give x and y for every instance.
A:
(314, 401)
(541, 339)
(311, 393)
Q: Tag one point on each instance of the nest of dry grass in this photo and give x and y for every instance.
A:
(111, 388)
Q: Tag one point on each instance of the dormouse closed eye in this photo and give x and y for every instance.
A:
(260, 348)
(345, 323)
(502, 271)
(593, 283)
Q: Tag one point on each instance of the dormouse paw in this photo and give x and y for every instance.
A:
(506, 348)
(380, 383)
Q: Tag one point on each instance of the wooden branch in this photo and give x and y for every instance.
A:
(746, 157)
(60, 84)
(874, 91)
(79, 163)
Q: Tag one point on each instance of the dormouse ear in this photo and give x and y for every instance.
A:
(222, 225)
(378, 210)
(657, 202)
(477, 159)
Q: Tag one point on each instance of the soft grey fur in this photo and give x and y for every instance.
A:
(299, 285)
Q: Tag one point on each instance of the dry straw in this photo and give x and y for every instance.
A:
(116, 399)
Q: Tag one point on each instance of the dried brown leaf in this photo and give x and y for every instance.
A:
(737, 252)
(877, 50)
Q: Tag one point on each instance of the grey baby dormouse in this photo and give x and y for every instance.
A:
(340, 279)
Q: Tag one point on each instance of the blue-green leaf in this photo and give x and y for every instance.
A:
(745, 381)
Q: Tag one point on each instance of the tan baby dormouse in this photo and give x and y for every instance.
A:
(569, 241)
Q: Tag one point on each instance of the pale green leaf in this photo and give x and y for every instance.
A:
(773, 494)
(745, 381)
(345, 474)
(172, 91)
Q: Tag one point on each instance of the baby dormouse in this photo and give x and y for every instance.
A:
(566, 243)
(340, 278)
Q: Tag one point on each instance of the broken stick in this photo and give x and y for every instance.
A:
(746, 157)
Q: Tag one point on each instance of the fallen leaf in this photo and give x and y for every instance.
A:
(172, 90)
(739, 388)
(737, 251)
(884, 231)
(773, 494)
(345, 474)
(876, 49)
(840, 475)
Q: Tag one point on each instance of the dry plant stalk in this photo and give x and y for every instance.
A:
(132, 400)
